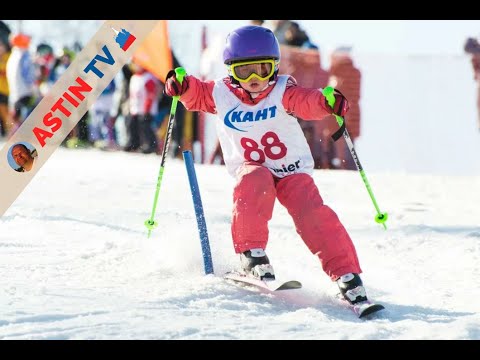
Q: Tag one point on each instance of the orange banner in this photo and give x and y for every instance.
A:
(155, 54)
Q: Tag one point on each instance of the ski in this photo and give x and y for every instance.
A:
(362, 309)
(366, 308)
(269, 285)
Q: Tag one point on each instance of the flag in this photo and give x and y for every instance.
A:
(124, 39)
(154, 54)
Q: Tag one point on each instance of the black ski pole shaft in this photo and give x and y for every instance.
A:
(151, 223)
(380, 218)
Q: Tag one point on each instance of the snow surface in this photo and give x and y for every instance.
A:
(76, 262)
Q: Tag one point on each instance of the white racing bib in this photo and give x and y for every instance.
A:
(263, 133)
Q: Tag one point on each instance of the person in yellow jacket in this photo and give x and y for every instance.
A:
(4, 90)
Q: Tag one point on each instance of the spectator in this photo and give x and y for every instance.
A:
(78, 137)
(345, 77)
(257, 22)
(4, 32)
(472, 47)
(101, 126)
(144, 91)
(279, 28)
(20, 77)
(295, 36)
(44, 60)
(61, 64)
(4, 91)
(306, 67)
(120, 107)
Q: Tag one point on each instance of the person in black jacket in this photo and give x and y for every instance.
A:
(472, 47)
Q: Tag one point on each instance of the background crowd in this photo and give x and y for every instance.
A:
(131, 113)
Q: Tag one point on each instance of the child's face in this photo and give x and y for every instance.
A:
(255, 85)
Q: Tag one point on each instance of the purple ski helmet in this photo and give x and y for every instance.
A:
(251, 42)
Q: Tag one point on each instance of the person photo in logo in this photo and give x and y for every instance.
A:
(22, 156)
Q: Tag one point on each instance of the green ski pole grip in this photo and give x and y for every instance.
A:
(328, 93)
(180, 73)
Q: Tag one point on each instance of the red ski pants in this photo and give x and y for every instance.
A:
(318, 225)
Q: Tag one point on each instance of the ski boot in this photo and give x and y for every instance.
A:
(255, 263)
(351, 288)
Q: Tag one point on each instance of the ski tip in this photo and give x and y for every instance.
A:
(290, 285)
(371, 310)
(270, 285)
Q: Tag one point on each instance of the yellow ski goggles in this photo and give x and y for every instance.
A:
(246, 70)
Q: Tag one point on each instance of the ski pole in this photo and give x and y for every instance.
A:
(380, 218)
(151, 223)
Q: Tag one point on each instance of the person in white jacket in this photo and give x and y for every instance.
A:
(20, 77)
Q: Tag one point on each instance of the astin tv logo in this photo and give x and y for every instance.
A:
(124, 39)
(243, 117)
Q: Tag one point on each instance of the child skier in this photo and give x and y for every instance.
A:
(266, 151)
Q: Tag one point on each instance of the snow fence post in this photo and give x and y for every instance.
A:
(197, 204)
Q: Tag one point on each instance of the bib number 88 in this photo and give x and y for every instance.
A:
(273, 148)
